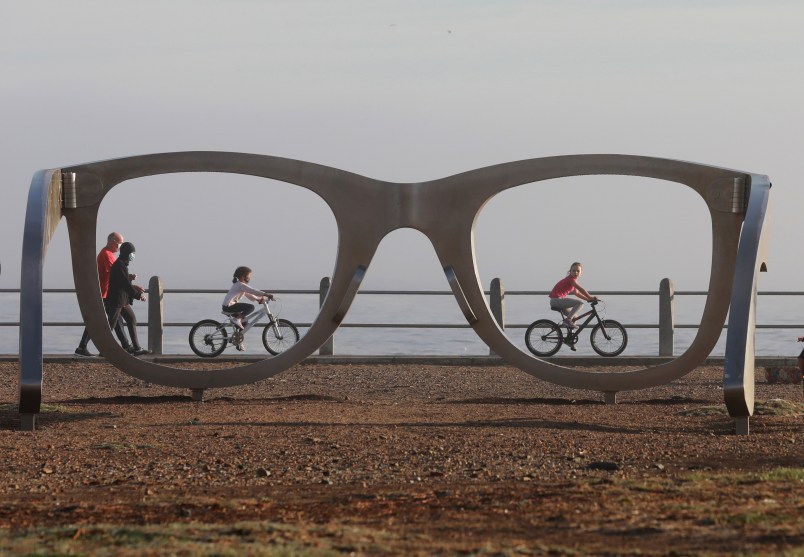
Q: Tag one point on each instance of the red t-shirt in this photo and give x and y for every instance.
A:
(564, 287)
(106, 259)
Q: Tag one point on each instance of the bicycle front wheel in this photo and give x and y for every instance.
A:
(609, 338)
(208, 338)
(278, 343)
(544, 338)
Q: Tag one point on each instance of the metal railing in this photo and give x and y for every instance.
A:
(497, 294)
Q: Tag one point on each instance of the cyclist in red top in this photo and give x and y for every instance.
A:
(559, 299)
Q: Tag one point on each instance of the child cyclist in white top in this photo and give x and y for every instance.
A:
(231, 304)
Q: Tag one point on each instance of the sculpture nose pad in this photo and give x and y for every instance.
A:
(351, 292)
(459, 295)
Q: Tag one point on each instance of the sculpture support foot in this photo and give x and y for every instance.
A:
(610, 397)
(741, 425)
(27, 422)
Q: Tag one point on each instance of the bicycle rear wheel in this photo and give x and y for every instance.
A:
(208, 338)
(608, 338)
(544, 338)
(288, 336)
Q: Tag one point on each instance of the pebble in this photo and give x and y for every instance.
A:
(603, 465)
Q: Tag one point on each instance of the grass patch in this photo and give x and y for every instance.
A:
(776, 475)
(778, 407)
(44, 408)
(249, 539)
(783, 475)
(705, 411)
(651, 486)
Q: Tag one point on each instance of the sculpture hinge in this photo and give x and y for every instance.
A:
(69, 199)
(739, 200)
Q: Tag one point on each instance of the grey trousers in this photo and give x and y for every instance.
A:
(568, 306)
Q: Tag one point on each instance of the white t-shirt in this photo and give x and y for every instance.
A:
(240, 289)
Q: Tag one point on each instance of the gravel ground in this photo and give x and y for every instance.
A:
(449, 459)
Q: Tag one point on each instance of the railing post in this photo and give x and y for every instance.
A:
(328, 348)
(666, 317)
(497, 304)
(156, 317)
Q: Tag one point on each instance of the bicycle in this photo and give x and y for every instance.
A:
(209, 338)
(608, 337)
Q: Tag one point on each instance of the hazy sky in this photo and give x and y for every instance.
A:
(406, 91)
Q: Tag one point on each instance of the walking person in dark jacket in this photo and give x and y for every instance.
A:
(121, 293)
(106, 258)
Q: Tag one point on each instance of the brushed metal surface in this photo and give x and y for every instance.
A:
(365, 211)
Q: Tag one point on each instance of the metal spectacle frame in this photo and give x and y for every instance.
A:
(366, 210)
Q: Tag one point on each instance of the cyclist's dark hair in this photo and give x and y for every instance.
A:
(578, 263)
(240, 272)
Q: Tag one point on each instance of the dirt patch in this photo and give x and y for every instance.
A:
(394, 459)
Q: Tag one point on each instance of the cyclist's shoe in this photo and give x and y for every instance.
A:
(568, 323)
(81, 351)
(237, 323)
(241, 346)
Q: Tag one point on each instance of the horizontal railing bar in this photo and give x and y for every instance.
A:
(427, 292)
(404, 325)
(272, 291)
(46, 290)
(218, 291)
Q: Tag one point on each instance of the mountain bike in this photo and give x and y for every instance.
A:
(209, 338)
(545, 337)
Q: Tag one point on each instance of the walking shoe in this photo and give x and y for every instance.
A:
(138, 351)
(568, 322)
(80, 351)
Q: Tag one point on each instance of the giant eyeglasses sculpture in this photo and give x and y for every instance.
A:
(365, 211)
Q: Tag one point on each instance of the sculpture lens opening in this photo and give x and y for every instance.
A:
(629, 233)
(193, 230)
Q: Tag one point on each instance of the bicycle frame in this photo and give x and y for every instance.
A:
(592, 313)
(260, 313)
(572, 334)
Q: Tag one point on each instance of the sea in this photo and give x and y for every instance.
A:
(359, 334)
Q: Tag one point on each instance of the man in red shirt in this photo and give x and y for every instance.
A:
(106, 258)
